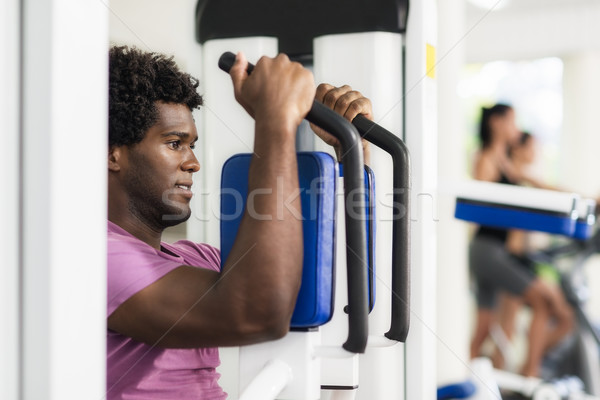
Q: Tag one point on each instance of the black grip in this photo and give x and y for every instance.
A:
(227, 60)
(354, 190)
(393, 145)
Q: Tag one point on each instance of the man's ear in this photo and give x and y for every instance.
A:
(114, 158)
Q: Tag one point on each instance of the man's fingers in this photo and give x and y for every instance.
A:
(350, 104)
(344, 101)
(322, 90)
(331, 97)
(360, 105)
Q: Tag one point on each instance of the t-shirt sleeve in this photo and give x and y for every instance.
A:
(132, 265)
(200, 254)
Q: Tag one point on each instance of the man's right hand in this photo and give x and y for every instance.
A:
(279, 91)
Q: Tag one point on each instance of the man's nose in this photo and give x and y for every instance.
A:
(191, 163)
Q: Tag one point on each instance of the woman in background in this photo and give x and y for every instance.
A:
(494, 268)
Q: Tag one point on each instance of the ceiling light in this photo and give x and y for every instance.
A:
(490, 4)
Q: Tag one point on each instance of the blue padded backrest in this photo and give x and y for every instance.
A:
(370, 226)
(317, 179)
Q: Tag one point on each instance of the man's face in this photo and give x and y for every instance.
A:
(158, 170)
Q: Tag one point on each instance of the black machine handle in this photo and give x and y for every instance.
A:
(354, 188)
(393, 145)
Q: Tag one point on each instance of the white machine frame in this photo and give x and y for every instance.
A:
(370, 62)
(53, 275)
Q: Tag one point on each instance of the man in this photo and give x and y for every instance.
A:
(171, 305)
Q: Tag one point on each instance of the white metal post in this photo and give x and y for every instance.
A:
(227, 130)
(372, 64)
(64, 72)
(9, 199)
(452, 273)
(421, 138)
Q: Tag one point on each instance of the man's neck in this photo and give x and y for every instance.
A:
(139, 229)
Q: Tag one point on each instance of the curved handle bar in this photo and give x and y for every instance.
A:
(393, 145)
(354, 193)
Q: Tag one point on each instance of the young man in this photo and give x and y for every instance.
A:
(171, 305)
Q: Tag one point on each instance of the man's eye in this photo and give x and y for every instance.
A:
(193, 146)
(174, 144)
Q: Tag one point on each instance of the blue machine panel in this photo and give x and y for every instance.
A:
(583, 230)
(501, 216)
(461, 390)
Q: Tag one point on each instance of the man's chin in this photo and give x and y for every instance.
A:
(176, 219)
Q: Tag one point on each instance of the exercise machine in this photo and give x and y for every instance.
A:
(363, 44)
(579, 354)
(566, 214)
(303, 349)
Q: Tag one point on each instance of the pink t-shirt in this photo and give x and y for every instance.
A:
(136, 370)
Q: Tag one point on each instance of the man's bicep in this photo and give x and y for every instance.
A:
(182, 309)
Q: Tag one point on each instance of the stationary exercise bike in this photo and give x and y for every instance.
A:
(579, 354)
(512, 207)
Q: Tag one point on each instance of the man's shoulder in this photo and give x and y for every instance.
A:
(198, 254)
(123, 248)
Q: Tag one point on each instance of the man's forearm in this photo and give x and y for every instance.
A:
(266, 260)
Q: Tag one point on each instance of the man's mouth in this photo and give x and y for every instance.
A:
(185, 189)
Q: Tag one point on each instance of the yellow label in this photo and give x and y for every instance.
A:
(430, 61)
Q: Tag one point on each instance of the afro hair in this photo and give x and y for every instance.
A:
(137, 80)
